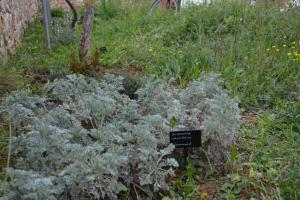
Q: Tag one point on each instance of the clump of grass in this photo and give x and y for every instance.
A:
(9, 81)
(85, 67)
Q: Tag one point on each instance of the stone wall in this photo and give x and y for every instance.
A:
(14, 17)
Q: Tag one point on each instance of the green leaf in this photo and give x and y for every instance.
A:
(121, 187)
(233, 153)
(226, 186)
(189, 187)
(231, 197)
(238, 188)
(173, 122)
(235, 177)
(190, 170)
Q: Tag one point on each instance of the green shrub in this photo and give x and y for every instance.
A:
(108, 9)
(57, 12)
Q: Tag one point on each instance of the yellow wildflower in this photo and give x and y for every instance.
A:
(293, 47)
(284, 37)
(284, 45)
(251, 172)
(268, 49)
(150, 49)
(294, 42)
(204, 195)
(289, 54)
(273, 46)
(277, 50)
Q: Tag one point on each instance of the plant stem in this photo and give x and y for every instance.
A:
(9, 151)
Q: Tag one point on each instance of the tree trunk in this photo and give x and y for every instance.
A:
(87, 25)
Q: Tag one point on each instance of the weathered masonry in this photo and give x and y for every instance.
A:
(14, 17)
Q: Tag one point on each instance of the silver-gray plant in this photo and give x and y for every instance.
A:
(88, 141)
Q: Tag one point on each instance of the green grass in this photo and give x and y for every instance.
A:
(271, 151)
(233, 39)
(33, 51)
(255, 49)
(226, 38)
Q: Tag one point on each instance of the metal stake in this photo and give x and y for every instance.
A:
(46, 9)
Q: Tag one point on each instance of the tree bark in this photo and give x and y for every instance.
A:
(87, 25)
(75, 15)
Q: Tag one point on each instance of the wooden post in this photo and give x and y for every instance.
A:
(87, 25)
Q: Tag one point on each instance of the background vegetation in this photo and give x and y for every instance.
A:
(255, 49)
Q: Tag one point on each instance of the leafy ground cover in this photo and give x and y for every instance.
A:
(256, 50)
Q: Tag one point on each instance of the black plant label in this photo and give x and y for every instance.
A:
(183, 139)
